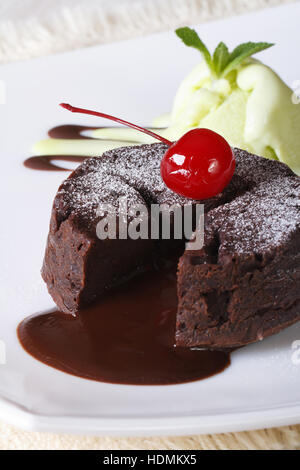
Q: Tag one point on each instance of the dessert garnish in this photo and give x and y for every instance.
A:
(222, 62)
(240, 98)
(230, 93)
(198, 166)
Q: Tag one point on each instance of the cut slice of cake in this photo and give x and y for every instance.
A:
(244, 284)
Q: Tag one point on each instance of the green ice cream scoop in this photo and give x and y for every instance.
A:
(243, 100)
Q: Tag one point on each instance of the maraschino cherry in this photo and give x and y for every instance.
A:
(198, 166)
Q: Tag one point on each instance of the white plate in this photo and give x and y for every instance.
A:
(137, 80)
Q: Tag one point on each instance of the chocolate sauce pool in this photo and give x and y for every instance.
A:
(126, 338)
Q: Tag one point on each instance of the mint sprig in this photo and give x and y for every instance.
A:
(191, 39)
(222, 62)
(241, 52)
(220, 58)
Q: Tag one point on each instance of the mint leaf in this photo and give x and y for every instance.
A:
(241, 52)
(220, 58)
(222, 62)
(191, 39)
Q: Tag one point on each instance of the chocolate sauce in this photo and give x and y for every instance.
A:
(70, 131)
(45, 162)
(126, 338)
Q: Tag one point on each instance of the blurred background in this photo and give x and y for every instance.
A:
(31, 28)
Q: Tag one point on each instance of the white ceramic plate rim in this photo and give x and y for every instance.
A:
(204, 424)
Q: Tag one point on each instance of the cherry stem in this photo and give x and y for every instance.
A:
(73, 109)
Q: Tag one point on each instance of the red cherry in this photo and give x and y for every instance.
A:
(199, 165)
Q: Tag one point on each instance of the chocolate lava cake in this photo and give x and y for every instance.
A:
(242, 286)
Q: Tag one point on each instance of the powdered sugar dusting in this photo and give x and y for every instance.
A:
(262, 219)
(259, 208)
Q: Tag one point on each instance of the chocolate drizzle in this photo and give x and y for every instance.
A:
(45, 162)
(65, 131)
(70, 131)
